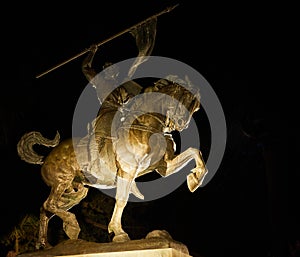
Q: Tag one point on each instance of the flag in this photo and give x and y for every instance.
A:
(144, 35)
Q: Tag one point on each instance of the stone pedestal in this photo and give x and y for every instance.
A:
(156, 244)
(166, 252)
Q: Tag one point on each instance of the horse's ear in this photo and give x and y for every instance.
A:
(192, 88)
(197, 94)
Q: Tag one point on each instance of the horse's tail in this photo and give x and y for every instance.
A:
(25, 146)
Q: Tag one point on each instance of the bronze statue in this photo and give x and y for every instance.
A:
(131, 136)
(119, 160)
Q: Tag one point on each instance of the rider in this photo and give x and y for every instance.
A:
(111, 97)
(110, 94)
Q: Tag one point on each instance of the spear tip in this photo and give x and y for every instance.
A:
(170, 8)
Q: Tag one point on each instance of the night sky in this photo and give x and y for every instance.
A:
(249, 207)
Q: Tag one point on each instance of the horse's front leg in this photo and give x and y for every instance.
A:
(115, 225)
(194, 180)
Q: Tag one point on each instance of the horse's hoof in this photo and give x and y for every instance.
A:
(43, 246)
(72, 229)
(195, 179)
(121, 238)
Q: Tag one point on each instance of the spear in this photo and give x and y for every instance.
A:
(168, 9)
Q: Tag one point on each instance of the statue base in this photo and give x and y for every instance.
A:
(157, 243)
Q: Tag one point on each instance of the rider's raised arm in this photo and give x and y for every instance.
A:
(104, 82)
(86, 67)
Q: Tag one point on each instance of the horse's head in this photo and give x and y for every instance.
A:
(179, 104)
(183, 102)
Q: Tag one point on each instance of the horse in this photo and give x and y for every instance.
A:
(140, 141)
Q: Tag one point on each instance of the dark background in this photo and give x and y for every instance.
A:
(249, 207)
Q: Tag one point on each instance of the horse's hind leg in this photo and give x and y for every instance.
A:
(69, 199)
(52, 205)
(122, 194)
(44, 220)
